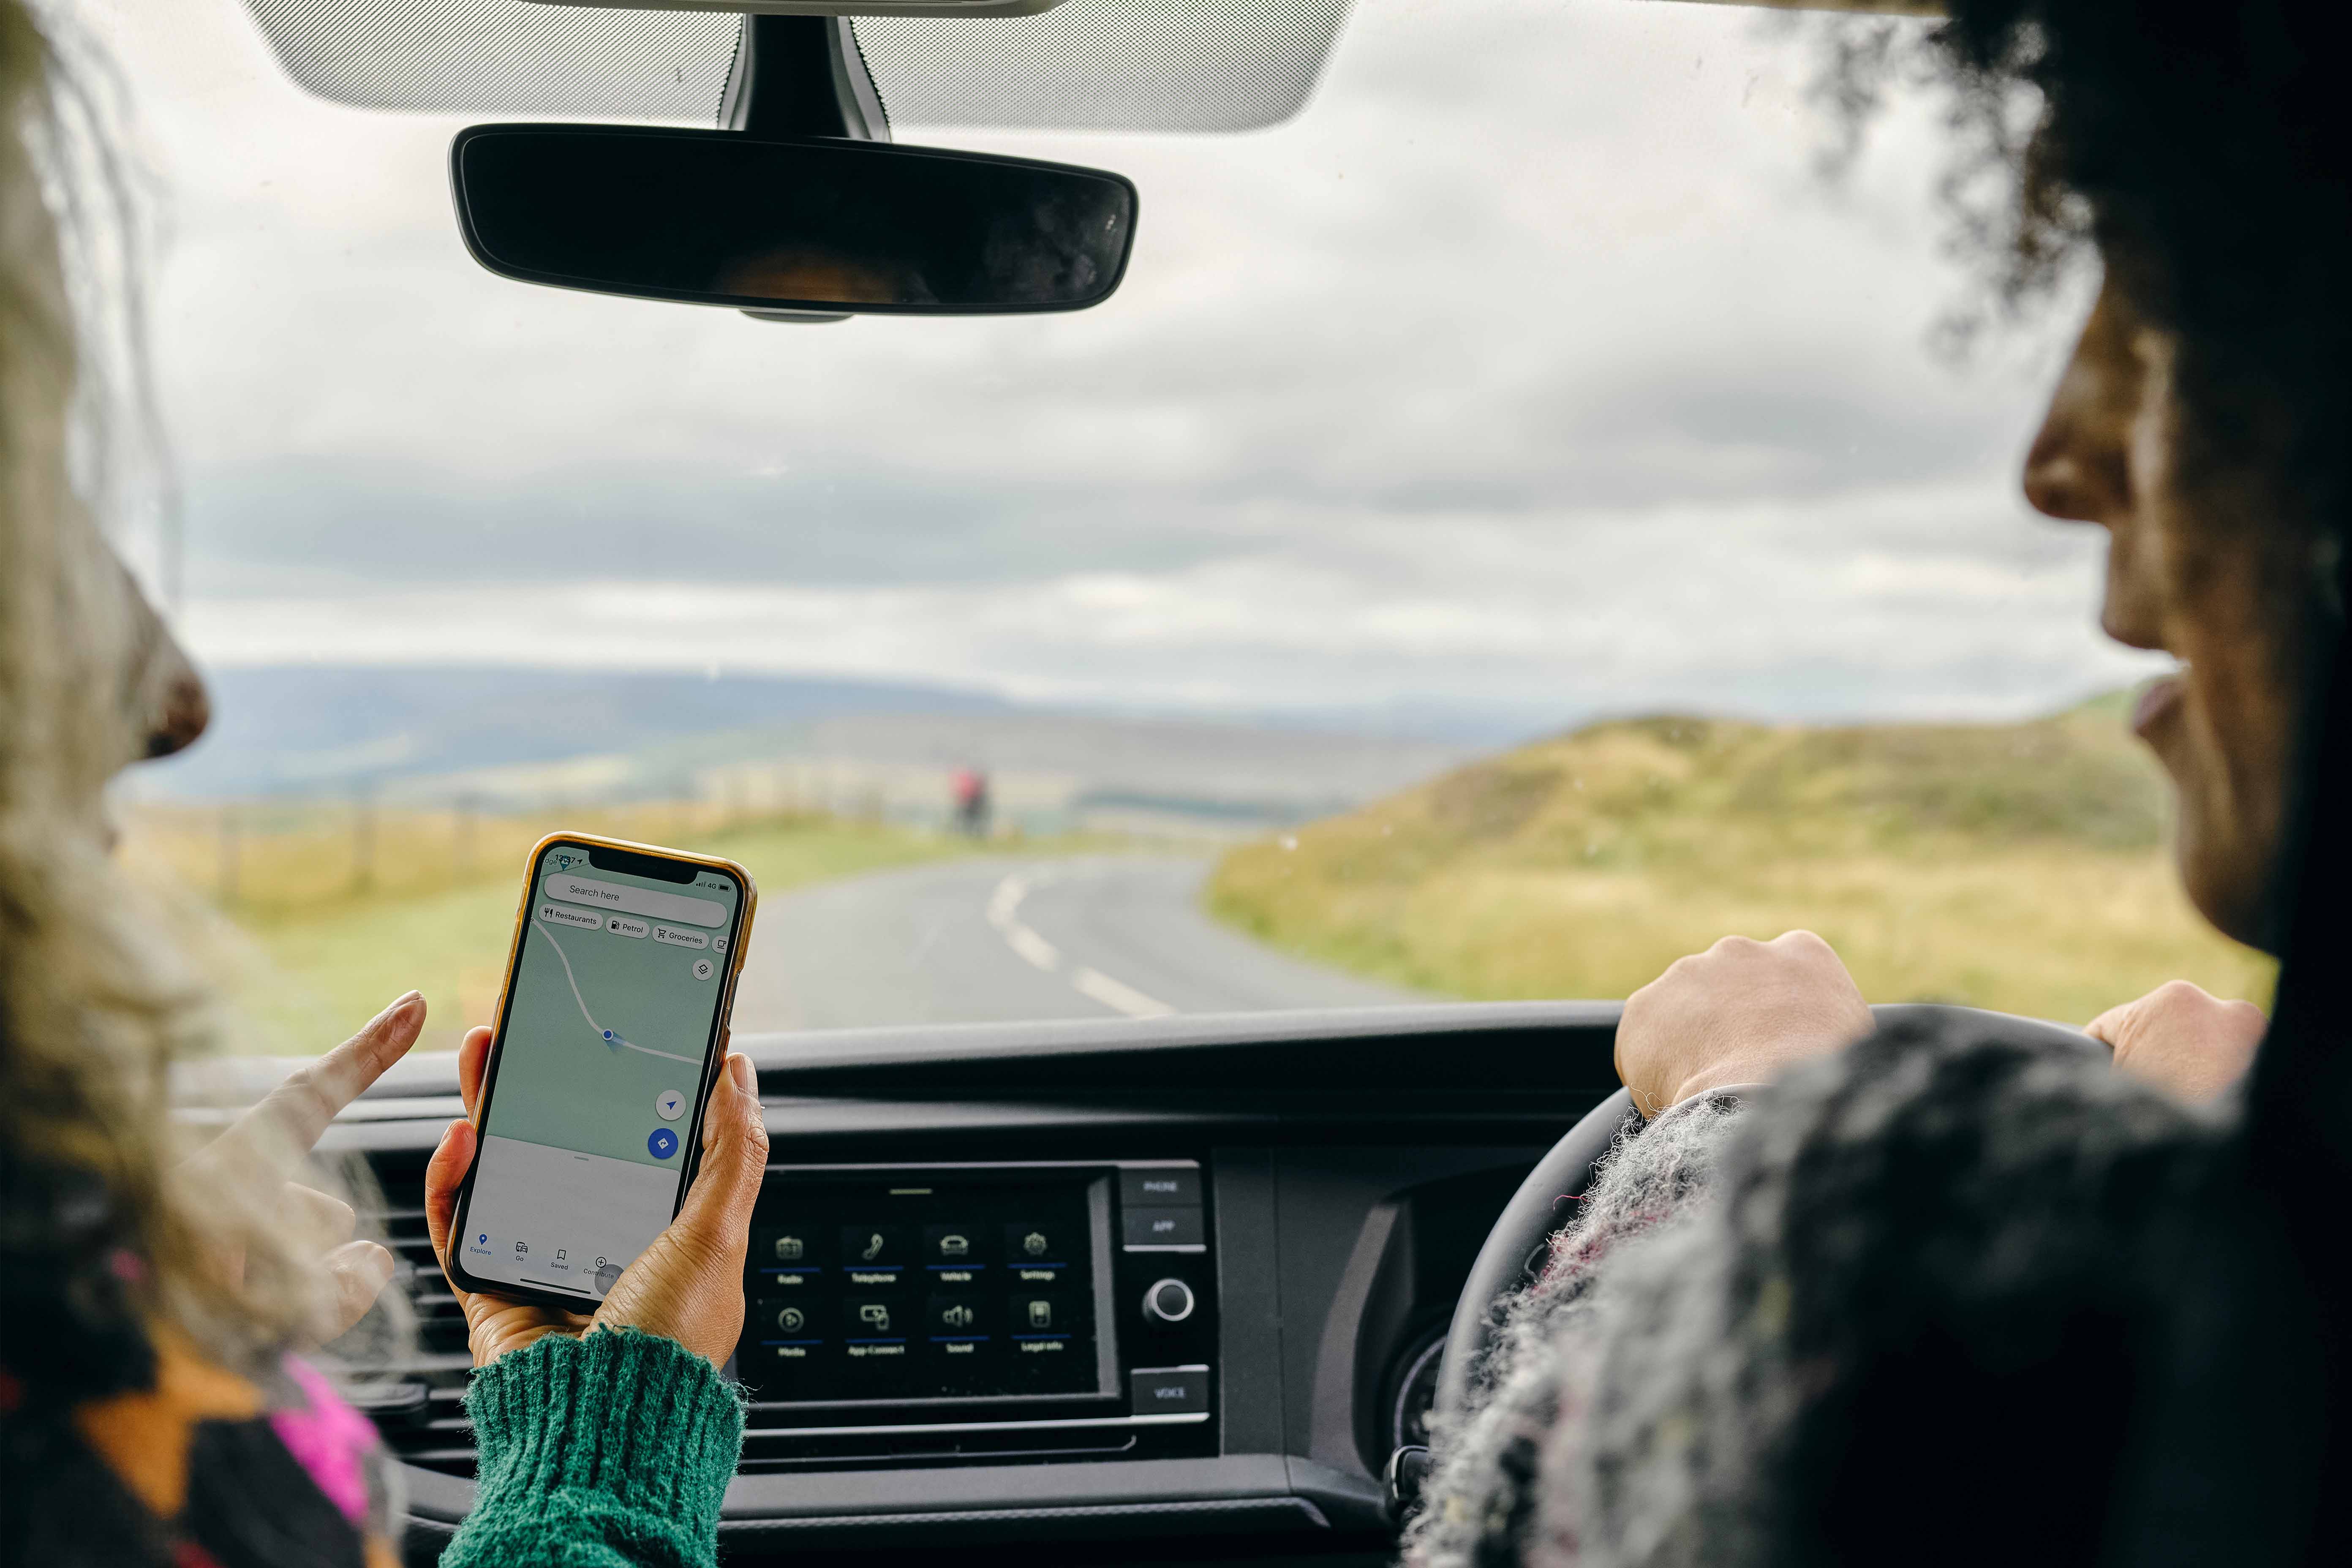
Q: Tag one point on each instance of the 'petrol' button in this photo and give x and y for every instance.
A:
(1170, 1391)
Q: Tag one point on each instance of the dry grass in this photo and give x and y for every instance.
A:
(327, 918)
(2021, 867)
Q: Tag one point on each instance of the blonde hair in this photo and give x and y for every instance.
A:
(96, 1000)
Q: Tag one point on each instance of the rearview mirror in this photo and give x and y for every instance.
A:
(819, 225)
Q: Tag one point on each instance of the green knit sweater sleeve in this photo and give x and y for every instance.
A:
(609, 1450)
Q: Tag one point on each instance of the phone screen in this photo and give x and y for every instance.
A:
(612, 1014)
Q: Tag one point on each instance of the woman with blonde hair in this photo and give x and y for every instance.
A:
(154, 1301)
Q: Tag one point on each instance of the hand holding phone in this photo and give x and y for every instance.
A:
(587, 1106)
(688, 1286)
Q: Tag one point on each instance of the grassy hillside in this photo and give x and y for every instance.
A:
(2018, 866)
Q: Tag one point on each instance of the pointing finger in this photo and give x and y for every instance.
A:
(297, 1110)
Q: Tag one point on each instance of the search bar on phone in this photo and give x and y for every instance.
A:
(634, 901)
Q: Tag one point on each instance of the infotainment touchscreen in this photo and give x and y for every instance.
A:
(937, 1285)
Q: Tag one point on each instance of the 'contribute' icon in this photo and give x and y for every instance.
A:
(662, 1144)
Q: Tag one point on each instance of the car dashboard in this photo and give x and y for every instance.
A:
(1169, 1289)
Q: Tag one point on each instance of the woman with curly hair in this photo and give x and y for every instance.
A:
(1917, 1295)
(154, 1301)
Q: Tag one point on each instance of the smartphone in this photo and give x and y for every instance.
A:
(612, 1027)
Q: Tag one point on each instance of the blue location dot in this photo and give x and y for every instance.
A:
(608, 1034)
(662, 1144)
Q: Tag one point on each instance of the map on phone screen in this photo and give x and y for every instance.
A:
(614, 1010)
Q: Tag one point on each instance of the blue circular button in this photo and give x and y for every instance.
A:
(662, 1144)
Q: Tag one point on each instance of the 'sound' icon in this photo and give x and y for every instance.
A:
(957, 1317)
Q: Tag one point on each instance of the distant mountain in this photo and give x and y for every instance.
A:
(326, 729)
(496, 734)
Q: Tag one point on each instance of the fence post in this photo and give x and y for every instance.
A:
(364, 841)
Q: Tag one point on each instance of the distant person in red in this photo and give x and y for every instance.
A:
(970, 787)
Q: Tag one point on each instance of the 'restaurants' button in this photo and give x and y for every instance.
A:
(1164, 1227)
(1170, 1391)
(1166, 1187)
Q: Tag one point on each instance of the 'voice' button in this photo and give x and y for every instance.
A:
(1169, 1390)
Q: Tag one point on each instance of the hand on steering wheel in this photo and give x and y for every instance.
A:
(1741, 1011)
(688, 1286)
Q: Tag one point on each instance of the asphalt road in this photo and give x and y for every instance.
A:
(1004, 940)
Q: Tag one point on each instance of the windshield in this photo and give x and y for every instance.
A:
(1522, 516)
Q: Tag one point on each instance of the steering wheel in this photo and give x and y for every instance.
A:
(1512, 1254)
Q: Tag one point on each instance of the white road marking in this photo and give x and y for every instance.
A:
(1004, 914)
(1034, 948)
(1119, 998)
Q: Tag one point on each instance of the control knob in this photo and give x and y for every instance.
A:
(1168, 1302)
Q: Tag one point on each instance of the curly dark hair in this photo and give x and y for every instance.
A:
(2205, 151)
(2203, 148)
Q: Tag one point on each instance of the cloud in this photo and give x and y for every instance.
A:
(1532, 363)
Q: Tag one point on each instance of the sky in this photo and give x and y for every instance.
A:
(1534, 370)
